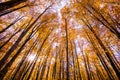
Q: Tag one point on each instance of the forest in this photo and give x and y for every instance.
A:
(59, 39)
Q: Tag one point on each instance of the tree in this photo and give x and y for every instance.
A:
(68, 40)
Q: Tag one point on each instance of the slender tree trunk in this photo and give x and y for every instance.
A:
(67, 52)
(11, 10)
(39, 50)
(6, 68)
(14, 46)
(9, 39)
(100, 57)
(87, 71)
(54, 68)
(105, 23)
(29, 67)
(47, 77)
(23, 59)
(60, 71)
(10, 4)
(78, 65)
(43, 69)
(11, 24)
(73, 60)
(105, 49)
(99, 75)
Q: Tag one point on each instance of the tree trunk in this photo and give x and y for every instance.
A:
(11, 10)
(14, 46)
(67, 57)
(9, 39)
(10, 4)
(11, 24)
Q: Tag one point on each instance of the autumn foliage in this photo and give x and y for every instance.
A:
(59, 39)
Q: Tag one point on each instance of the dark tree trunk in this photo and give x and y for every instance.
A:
(14, 46)
(9, 39)
(100, 57)
(11, 10)
(10, 4)
(67, 57)
(106, 51)
(78, 65)
(15, 21)
(6, 68)
(23, 59)
(103, 21)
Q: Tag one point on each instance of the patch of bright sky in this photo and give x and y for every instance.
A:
(31, 57)
(78, 26)
(82, 63)
(75, 24)
(58, 30)
(114, 48)
(38, 60)
(52, 60)
(118, 30)
(77, 47)
(58, 6)
(37, 9)
(31, 0)
(102, 5)
(55, 44)
(84, 43)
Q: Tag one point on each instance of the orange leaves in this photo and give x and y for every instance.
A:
(72, 34)
(49, 17)
(67, 35)
(65, 12)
